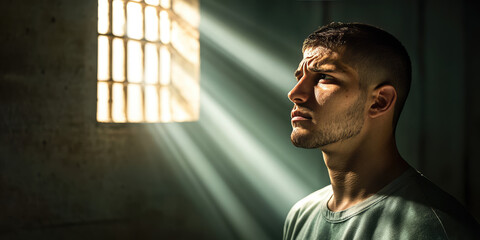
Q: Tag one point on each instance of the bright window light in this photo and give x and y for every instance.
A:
(103, 58)
(103, 13)
(165, 66)
(165, 3)
(134, 20)
(148, 61)
(151, 23)
(164, 27)
(118, 60)
(135, 111)
(152, 2)
(151, 63)
(102, 102)
(118, 104)
(118, 17)
(151, 103)
(135, 61)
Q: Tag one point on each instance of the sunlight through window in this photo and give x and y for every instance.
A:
(135, 61)
(151, 103)
(148, 61)
(103, 58)
(164, 27)
(134, 20)
(118, 18)
(118, 60)
(151, 23)
(165, 108)
(135, 113)
(151, 63)
(165, 66)
(102, 102)
(118, 104)
(103, 13)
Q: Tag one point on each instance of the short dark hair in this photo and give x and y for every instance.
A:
(366, 47)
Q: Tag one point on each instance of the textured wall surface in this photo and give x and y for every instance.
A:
(233, 174)
(62, 174)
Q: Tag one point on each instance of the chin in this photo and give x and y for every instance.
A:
(303, 139)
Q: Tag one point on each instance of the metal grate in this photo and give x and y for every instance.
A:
(148, 61)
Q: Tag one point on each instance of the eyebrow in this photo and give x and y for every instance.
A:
(298, 72)
(327, 70)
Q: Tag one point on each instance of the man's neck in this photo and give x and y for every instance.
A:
(357, 175)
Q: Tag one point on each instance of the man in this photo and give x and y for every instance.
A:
(351, 87)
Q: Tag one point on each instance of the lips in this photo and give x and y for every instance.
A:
(298, 115)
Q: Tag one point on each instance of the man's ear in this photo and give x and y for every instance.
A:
(384, 98)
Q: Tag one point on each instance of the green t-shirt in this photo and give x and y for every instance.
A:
(410, 207)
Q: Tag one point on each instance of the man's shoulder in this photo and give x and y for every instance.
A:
(428, 200)
(304, 211)
(426, 193)
(313, 200)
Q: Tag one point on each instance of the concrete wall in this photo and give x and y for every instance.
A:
(65, 176)
(62, 174)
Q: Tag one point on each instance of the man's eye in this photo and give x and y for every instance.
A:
(325, 77)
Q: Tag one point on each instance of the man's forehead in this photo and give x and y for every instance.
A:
(316, 52)
(315, 57)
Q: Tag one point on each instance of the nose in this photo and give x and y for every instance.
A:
(300, 92)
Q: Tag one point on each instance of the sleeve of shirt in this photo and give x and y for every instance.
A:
(289, 224)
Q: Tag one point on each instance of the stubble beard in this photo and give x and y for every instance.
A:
(342, 127)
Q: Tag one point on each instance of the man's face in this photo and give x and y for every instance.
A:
(328, 102)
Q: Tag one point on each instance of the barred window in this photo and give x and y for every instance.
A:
(148, 61)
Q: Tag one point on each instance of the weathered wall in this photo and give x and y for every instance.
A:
(64, 176)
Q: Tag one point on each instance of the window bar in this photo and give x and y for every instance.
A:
(158, 84)
(125, 69)
(144, 85)
(171, 94)
(159, 73)
(169, 106)
(110, 61)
